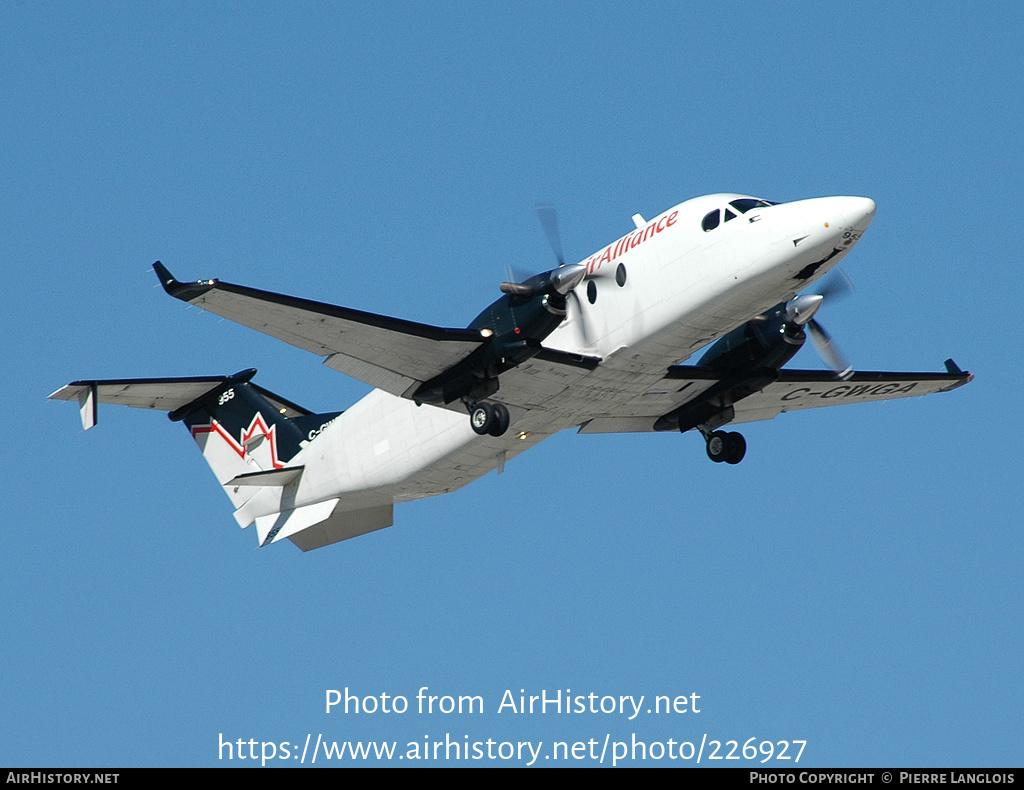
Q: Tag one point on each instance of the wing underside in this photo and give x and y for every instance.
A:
(794, 390)
(388, 353)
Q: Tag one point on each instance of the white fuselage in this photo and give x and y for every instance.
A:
(684, 287)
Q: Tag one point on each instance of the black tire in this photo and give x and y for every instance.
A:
(718, 446)
(737, 447)
(482, 418)
(501, 419)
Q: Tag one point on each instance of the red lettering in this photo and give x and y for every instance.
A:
(629, 241)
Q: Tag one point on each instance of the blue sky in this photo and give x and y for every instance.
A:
(854, 583)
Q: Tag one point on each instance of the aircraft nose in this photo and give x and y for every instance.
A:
(858, 212)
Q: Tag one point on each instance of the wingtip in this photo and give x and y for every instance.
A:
(955, 370)
(166, 278)
(180, 290)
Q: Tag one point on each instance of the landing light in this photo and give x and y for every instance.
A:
(486, 333)
(522, 435)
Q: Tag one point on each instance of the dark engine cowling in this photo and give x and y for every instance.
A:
(768, 341)
(746, 360)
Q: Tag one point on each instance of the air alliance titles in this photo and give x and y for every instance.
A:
(629, 241)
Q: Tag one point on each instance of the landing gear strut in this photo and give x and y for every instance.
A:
(489, 418)
(728, 447)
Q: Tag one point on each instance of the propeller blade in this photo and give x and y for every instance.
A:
(517, 274)
(828, 351)
(561, 280)
(549, 221)
(838, 285)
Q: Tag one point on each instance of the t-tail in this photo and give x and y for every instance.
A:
(242, 433)
(248, 435)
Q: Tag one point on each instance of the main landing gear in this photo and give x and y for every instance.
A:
(489, 418)
(729, 447)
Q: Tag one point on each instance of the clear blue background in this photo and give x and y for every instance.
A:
(855, 582)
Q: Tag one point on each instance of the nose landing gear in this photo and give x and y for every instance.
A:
(489, 418)
(729, 447)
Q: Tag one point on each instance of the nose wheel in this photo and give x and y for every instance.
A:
(728, 447)
(489, 418)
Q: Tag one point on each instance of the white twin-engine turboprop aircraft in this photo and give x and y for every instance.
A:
(597, 345)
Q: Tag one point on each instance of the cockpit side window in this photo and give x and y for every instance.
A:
(729, 215)
(711, 220)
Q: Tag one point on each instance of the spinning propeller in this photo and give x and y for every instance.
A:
(800, 310)
(560, 282)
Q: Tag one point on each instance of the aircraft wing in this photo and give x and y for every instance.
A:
(811, 389)
(794, 390)
(388, 353)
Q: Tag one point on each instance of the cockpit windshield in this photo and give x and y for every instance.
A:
(743, 205)
(714, 218)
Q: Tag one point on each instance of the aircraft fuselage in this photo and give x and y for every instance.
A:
(659, 293)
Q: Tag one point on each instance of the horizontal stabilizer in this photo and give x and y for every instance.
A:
(272, 477)
(166, 394)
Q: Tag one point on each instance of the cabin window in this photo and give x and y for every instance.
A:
(620, 275)
(710, 221)
(592, 292)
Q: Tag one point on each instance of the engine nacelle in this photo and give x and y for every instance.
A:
(768, 341)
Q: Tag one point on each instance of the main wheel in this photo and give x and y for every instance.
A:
(718, 446)
(482, 418)
(501, 419)
(737, 447)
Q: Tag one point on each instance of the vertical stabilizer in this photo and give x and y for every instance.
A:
(240, 431)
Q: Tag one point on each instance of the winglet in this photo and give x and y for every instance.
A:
(954, 370)
(184, 291)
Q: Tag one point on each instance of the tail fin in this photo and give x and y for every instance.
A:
(244, 430)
